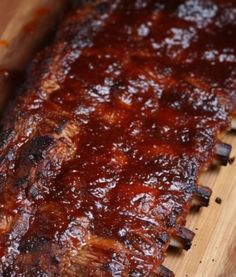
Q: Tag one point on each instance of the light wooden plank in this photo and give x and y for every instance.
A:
(213, 253)
(25, 23)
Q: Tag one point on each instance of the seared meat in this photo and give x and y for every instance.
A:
(102, 149)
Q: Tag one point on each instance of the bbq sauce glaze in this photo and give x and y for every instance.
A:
(101, 152)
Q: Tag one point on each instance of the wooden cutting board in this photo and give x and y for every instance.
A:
(23, 23)
(213, 253)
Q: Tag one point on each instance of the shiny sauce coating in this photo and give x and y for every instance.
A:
(101, 151)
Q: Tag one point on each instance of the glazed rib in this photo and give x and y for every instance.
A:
(102, 150)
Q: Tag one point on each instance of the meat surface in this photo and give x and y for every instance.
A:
(101, 152)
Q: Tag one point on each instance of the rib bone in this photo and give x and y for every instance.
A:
(222, 153)
(182, 239)
(233, 123)
(201, 197)
(162, 271)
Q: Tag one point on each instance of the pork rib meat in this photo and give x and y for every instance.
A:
(101, 151)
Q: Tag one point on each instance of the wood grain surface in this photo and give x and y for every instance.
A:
(213, 253)
(23, 23)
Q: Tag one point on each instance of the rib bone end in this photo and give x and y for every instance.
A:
(233, 123)
(162, 271)
(201, 197)
(182, 239)
(222, 153)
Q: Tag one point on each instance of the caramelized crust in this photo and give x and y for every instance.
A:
(102, 149)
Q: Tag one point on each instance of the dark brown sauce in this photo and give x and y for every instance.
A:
(41, 11)
(4, 43)
(31, 26)
(37, 15)
(143, 96)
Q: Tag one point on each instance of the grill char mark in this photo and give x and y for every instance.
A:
(36, 147)
(128, 117)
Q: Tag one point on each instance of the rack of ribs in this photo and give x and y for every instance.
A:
(102, 149)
